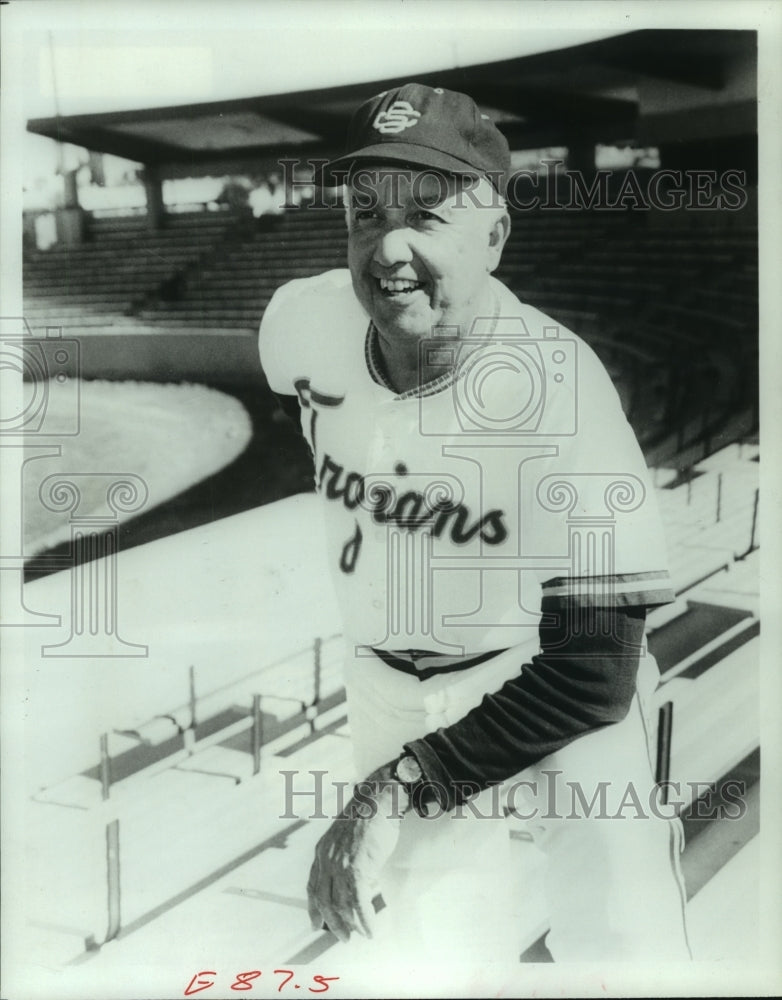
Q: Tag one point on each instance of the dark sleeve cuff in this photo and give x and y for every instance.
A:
(438, 785)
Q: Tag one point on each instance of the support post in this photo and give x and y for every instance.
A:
(318, 656)
(113, 879)
(664, 732)
(706, 431)
(193, 700)
(753, 530)
(257, 733)
(105, 767)
(154, 191)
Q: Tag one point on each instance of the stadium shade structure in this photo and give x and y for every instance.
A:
(650, 86)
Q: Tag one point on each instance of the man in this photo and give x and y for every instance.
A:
(494, 549)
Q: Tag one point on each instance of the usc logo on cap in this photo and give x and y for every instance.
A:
(400, 115)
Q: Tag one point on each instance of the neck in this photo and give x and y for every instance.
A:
(401, 359)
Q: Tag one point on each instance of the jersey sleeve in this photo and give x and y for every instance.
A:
(594, 500)
(278, 336)
(305, 329)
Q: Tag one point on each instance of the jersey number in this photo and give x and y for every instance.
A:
(349, 557)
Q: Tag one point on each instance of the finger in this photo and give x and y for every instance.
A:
(323, 916)
(332, 910)
(351, 901)
(352, 898)
(316, 917)
(318, 898)
(313, 909)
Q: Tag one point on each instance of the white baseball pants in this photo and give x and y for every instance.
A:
(613, 882)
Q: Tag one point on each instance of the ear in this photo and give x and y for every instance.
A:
(498, 234)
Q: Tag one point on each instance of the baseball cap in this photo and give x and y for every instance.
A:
(422, 126)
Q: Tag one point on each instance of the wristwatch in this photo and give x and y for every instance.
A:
(408, 772)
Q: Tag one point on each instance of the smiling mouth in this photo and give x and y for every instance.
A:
(398, 287)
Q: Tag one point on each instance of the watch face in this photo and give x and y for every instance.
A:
(408, 770)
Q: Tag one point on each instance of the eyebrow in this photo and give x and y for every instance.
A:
(362, 201)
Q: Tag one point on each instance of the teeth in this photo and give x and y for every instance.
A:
(398, 284)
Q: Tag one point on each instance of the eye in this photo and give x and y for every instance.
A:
(364, 214)
(424, 215)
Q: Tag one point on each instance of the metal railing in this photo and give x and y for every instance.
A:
(322, 693)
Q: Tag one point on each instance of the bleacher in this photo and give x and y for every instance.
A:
(232, 287)
(104, 281)
(160, 782)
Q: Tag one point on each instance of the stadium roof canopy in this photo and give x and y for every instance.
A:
(647, 86)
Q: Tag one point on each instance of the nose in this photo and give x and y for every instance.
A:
(393, 248)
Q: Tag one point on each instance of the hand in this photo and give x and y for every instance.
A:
(350, 856)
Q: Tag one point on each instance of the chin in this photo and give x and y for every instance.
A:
(400, 331)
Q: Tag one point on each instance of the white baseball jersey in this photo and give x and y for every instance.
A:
(452, 509)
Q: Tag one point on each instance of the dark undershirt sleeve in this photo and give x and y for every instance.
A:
(583, 678)
(289, 405)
